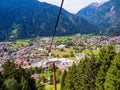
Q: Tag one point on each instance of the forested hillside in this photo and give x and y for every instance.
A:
(21, 19)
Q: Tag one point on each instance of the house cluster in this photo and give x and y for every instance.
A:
(24, 55)
(61, 63)
(30, 56)
(107, 40)
(102, 40)
(36, 56)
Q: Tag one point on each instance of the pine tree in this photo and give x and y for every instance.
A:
(39, 85)
(58, 74)
(27, 83)
(70, 81)
(21, 76)
(106, 55)
(113, 75)
(1, 81)
(62, 82)
(11, 84)
(9, 69)
(24, 84)
(86, 74)
(82, 76)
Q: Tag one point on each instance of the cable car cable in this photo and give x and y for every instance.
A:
(55, 28)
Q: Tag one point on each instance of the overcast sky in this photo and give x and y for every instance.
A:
(73, 6)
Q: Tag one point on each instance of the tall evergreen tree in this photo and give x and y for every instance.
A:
(21, 76)
(11, 84)
(106, 55)
(82, 76)
(113, 75)
(39, 85)
(27, 83)
(9, 69)
(24, 84)
(70, 81)
(1, 81)
(62, 82)
(86, 74)
(58, 74)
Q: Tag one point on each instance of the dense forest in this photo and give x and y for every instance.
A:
(94, 73)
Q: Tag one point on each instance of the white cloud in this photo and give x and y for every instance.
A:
(73, 6)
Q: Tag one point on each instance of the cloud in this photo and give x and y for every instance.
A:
(73, 6)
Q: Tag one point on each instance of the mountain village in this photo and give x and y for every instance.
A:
(36, 55)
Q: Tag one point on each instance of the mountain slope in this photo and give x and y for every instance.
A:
(21, 19)
(105, 16)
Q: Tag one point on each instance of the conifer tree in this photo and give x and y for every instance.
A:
(39, 85)
(9, 69)
(82, 76)
(18, 76)
(113, 75)
(58, 74)
(24, 84)
(1, 81)
(11, 84)
(63, 80)
(70, 81)
(86, 73)
(27, 83)
(106, 55)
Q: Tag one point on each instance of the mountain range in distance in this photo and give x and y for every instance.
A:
(21, 19)
(105, 16)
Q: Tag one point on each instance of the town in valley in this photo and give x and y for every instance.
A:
(65, 51)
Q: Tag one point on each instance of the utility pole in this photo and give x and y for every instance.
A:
(54, 76)
(55, 29)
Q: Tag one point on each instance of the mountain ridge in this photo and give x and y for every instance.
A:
(106, 16)
(30, 18)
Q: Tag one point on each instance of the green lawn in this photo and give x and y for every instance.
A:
(21, 43)
(90, 36)
(62, 53)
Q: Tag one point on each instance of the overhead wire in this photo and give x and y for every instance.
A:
(55, 28)
(50, 47)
